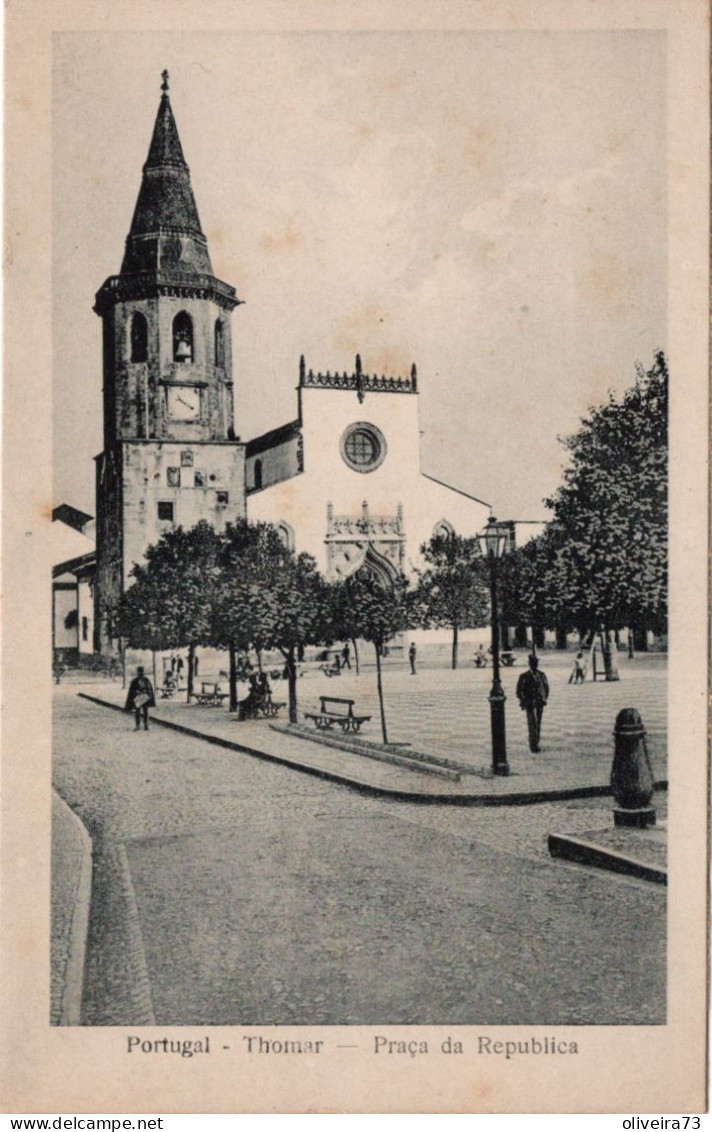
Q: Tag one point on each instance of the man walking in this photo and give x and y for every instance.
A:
(346, 656)
(412, 652)
(140, 698)
(533, 693)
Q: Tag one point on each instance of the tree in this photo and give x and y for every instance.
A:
(295, 610)
(250, 558)
(170, 604)
(611, 512)
(451, 592)
(367, 607)
(270, 598)
(530, 585)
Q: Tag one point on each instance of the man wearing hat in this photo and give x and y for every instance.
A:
(140, 698)
(532, 693)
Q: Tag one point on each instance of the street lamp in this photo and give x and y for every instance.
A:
(493, 543)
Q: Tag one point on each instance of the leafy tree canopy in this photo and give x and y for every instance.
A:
(451, 591)
(610, 514)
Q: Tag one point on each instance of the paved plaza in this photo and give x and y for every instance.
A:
(445, 712)
(228, 890)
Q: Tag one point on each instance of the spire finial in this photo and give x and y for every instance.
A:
(164, 84)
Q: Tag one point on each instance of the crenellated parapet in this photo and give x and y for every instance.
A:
(358, 381)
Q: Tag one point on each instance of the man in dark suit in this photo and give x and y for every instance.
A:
(140, 698)
(533, 693)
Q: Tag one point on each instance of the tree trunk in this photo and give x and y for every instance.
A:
(454, 644)
(631, 654)
(191, 666)
(520, 636)
(561, 641)
(292, 683)
(504, 635)
(640, 638)
(380, 692)
(155, 677)
(353, 642)
(607, 657)
(232, 652)
(259, 659)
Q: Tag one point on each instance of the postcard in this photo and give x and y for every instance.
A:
(355, 468)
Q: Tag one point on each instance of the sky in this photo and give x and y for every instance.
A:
(489, 205)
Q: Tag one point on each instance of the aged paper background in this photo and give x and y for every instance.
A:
(636, 1069)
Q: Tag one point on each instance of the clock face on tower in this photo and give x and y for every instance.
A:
(184, 403)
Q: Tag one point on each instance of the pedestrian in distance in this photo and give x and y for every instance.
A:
(346, 656)
(412, 653)
(481, 657)
(578, 674)
(533, 693)
(140, 698)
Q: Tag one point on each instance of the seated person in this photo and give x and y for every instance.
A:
(255, 697)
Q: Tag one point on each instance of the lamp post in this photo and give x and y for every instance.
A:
(493, 542)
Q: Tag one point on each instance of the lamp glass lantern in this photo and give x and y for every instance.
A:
(493, 540)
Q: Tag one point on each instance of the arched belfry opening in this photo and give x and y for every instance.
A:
(139, 337)
(183, 338)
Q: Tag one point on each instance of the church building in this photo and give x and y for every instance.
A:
(341, 480)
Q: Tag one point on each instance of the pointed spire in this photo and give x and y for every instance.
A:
(165, 148)
(165, 233)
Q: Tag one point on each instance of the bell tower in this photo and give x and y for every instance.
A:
(166, 318)
(170, 454)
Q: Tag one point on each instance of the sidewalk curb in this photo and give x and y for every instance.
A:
(70, 1006)
(521, 799)
(570, 848)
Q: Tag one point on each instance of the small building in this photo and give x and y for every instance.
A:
(73, 576)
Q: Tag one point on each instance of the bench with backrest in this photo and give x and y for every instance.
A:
(209, 696)
(338, 711)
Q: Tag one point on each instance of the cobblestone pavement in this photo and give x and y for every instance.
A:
(251, 894)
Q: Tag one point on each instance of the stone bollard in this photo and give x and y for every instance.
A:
(632, 778)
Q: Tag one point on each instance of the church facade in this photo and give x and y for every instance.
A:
(341, 480)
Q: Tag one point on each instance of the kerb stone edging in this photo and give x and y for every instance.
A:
(521, 798)
(71, 998)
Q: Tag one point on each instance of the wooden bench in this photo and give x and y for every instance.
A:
(343, 715)
(209, 696)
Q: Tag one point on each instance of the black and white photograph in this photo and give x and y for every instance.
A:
(363, 597)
